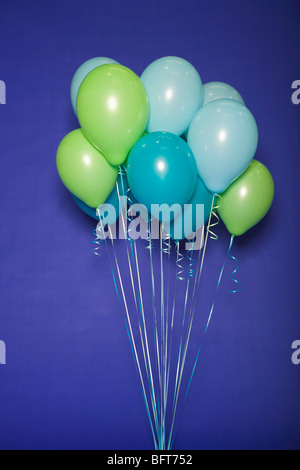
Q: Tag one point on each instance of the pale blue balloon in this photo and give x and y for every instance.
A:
(82, 72)
(219, 91)
(175, 93)
(223, 137)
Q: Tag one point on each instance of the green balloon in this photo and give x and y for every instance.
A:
(84, 170)
(247, 200)
(113, 110)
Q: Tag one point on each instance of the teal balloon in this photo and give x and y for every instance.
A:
(175, 92)
(188, 223)
(91, 211)
(220, 91)
(113, 199)
(223, 137)
(82, 72)
(161, 169)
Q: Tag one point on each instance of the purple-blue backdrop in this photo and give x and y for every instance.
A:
(70, 381)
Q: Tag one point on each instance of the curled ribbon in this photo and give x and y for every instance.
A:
(235, 270)
(149, 241)
(214, 214)
(97, 241)
(122, 173)
(190, 270)
(166, 241)
(180, 257)
(100, 236)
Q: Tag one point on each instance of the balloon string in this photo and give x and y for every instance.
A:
(128, 325)
(126, 230)
(180, 257)
(133, 267)
(136, 357)
(192, 312)
(99, 233)
(155, 322)
(190, 270)
(172, 323)
(122, 172)
(214, 214)
(190, 273)
(149, 241)
(218, 284)
(211, 310)
(148, 362)
(166, 238)
(238, 289)
(165, 250)
(197, 273)
(167, 253)
(143, 328)
(162, 345)
(128, 192)
(97, 241)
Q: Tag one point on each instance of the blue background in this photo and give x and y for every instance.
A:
(70, 381)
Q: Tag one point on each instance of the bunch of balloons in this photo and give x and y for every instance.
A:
(164, 138)
(181, 141)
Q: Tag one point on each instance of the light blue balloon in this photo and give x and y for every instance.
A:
(112, 199)
(219, 91)
(82, 72)
(175, 93)
(161, 169)
(223, 137)
(188, 222)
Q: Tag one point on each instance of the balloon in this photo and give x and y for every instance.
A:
(112, 199)
(113, 109)
(161, 169)
(84, 170)
(175, 94)
(218, 91)
(82, 72)
(223, 137)
(91, 211)
(248, 199)
(188, 222)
